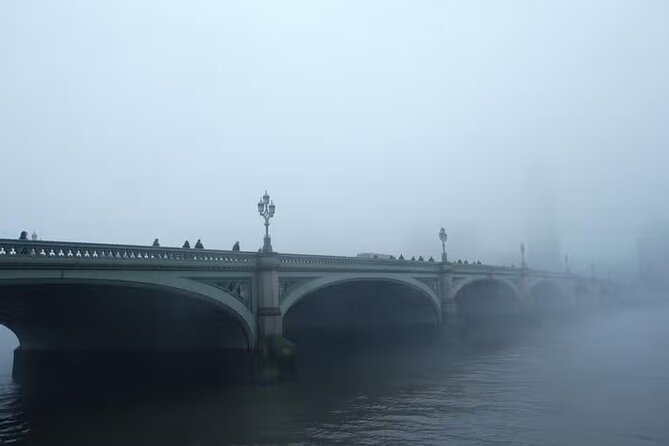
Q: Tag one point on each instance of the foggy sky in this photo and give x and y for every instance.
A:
(371, 123)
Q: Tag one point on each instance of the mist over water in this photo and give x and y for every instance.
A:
(602, 378)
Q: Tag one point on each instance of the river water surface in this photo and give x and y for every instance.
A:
(601, 379)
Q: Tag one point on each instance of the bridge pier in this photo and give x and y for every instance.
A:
(275, 354)
(269, 314)
(449, 307)
(527, 304)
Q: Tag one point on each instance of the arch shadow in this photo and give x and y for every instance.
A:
(342, 306)
(487, 299)
(119, 315)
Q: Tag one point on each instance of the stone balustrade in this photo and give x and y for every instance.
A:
(315, 260)
(11, 250)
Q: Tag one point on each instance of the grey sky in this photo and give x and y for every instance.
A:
(371, 123)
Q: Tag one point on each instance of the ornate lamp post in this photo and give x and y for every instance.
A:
(443, 236)
(266, 210)
(523, 263)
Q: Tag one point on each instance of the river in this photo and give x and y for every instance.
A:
(601, 379)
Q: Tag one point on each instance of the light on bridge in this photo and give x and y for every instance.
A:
(266, 209)
(443, 237)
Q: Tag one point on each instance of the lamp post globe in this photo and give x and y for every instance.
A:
(266, 209)
(443, 237)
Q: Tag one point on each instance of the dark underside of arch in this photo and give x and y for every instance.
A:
(489, 302)
(84, 317)
(365, 308)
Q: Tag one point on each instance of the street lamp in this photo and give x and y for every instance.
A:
(523, 263)
(266, 210)
(443, 236)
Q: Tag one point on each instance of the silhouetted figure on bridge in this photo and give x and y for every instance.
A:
(199, 245)
(413, 258)
(401, 257)
(156, 243)
(235, 247)
(23, 236)
(420, 258)
(431, 259)
(186, 245)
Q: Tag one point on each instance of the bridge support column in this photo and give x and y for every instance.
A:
(449, 308)
(526, 300)
(269, 313)
(276, 355)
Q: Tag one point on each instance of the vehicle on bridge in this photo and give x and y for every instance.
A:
(373, 255)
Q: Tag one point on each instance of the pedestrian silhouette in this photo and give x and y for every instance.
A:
(156, 243)
(186, 245)
(23, 236)
(401, 257)
(199, 245)
(235, 247)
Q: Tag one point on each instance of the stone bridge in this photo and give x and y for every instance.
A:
(61, 296)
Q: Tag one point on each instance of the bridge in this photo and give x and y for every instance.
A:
(82, 297)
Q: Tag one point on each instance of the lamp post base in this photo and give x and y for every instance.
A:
(267, 245)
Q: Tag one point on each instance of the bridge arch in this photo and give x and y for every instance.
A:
(160, 297)
(500, 280)
(486, 299)
(324, 282)
(357, 303)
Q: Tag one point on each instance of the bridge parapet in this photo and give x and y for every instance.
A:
(310, 262)
(26, 251)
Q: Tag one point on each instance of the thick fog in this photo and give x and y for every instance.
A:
(371, 124)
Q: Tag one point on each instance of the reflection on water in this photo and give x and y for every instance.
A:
(600, 380)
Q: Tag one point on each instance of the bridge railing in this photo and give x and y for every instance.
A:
(13, 250)
(306, 260)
